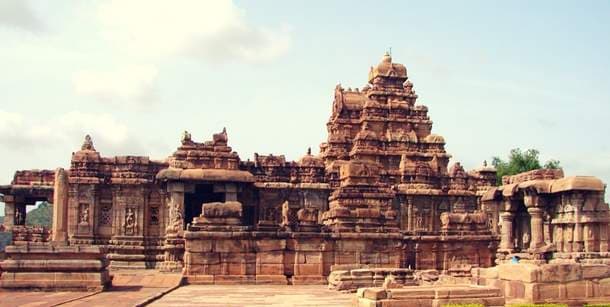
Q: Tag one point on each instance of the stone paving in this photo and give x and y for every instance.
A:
(129, 288)
(254, 295)
(33, 298)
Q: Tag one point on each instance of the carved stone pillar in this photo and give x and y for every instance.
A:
(506, 241)
(60, 206)
(174, 242)
(548, 232)
(9, 211)
(537, 230)
(568, 237)
(558, 237)
(577, 245)
(409, 215)
(603, 237)
(591, 234)
(176, 208)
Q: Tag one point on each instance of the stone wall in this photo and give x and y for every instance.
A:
(47, 267)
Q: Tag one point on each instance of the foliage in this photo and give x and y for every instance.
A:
(520, 161)
(41, 216)
(598, 305)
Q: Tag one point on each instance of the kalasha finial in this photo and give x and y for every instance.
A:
(309, 151)
(387, 57)
(88, 143)
(484, 163)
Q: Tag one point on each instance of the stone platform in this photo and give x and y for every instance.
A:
(349, 280)
(255, 295)
(47, 267)
(429, 296)
(571, 283)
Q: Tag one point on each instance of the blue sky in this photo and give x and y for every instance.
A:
(134, 74)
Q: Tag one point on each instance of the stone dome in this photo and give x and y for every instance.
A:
(310, 160)
(387, 69)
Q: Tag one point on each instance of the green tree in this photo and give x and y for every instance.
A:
(520, 161)
(41, 216)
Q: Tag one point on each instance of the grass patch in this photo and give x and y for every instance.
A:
(463, 305)
(538, 305)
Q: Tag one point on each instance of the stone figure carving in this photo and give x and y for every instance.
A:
(285, 213)
(19, 220)
(338, 105)
(83, 216)
(154, 216)
(526, 240)
(186, 138)
(175, 218)
(88, 143)
(419, 220)
(270, 214)
(221, 138)
(130, 221)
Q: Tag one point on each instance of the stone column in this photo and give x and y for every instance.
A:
(568, 234)
(558, 237)
(603, 237)
(536, 229)
(409, 215)
(591, 237)
(176, 208)
(9, 212)
(506, 241)
(60, 207)
(577, 243)
(174, 242)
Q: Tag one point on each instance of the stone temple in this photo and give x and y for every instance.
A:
(380, 194)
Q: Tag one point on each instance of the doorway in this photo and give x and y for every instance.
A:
(204, 193)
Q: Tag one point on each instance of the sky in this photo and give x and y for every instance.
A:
(135, 74)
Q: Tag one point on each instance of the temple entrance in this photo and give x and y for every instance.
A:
(204, 193)
(521, 229)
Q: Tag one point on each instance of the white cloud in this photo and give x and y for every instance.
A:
(17, 133)
(109, 135)
(18, 14)
(215, 30)
(154, 31)
(136, 85)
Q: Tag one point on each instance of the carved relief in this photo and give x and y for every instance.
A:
(83, 214)
(130, 224)
(175, 218)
